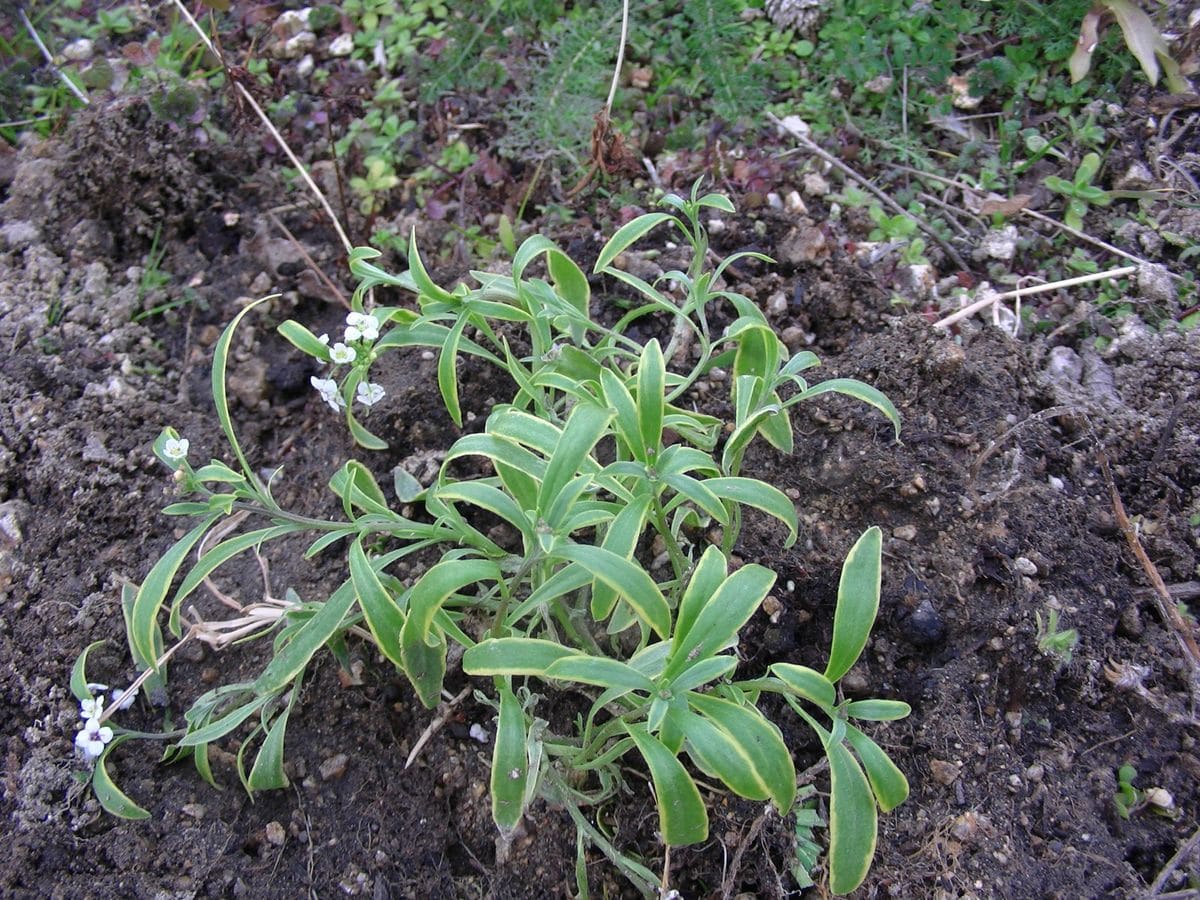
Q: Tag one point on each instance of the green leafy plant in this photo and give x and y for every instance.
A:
(1054, 642)
(597, 458)
(1079, 191)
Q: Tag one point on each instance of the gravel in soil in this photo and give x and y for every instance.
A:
(994, 506)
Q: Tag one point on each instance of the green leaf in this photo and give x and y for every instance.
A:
(651, 387)
(759, 495)
(107, 793)
(420, 276)
(570, 280)
(853, 821)
(267, 772)
(217, 471)
(626, 235)
(312, 636)
(682, 818)
(757, 741)
(384, 617)
(584, 427)
(877, 710)
(447, 371)
(718, 755)
(510, 764)
(706, 579)
(726, 611)
(620, 538)
(857, 603)
(887, 781)
(220, 397)
(79, 681)
(859, 391)
(598, 670)
(227, 723)
(303, 340)
(618, 398)
(495, 501)
(150, 597)
(808, 683)
(513, 656)
(361, 435)
(223, 552)
(702, 672)
(628, 579)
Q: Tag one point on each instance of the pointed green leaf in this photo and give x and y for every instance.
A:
(853, 821)
(718, 755)
(808, 683)
(628, 579)
(887, 781)
(877, 710)
(513, 656)
(570, 280)
(150, 597)
(626, 235)
(107, 793)
(303, 340)
(651, 388)
(621, 401)
(727, 610)
(859, 391)
(857, 602)
(600, 671)
(267, 772)
(702, 672)
(79, 681)
(312, 636)
(706, 579)
(759, 495)
(416, 268)
(447, 371)
(510, 764)
(758, 741)
(682, 818)
(585, 425)
(383, 615)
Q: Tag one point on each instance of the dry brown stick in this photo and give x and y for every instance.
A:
(1173, 863)
(436, 724)
(734, 867)
(1162, 596)
(999, 442)
(883, 198)
(1103, 245)
(308, 259)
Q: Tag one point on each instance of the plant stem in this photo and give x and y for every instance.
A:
(612, 90)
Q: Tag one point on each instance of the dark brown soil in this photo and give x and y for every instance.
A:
(995, 510)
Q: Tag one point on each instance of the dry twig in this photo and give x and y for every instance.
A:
(993, 299)
(1173, 863)
(62, 76)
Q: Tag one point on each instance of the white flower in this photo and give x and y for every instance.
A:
(328, 390)
(92, 707)
(478, 733)
(124, 699)
(92, 737)
(361, 326)
(368, 394)
(324, 339)
(340, 353)
(175, 448)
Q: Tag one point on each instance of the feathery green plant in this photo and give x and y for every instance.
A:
(596, 457)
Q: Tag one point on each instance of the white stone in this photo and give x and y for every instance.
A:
(342, 45)
(80, 50)
(1000, 244)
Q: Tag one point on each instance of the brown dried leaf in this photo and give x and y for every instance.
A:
(1089, 36)
(1005, 207)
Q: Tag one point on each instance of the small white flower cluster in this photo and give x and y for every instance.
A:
(93, 736)
(360, 327)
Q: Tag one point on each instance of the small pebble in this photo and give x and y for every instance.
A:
(943, 772)
(342, 45)
(275, 834)
(905, 533)
(925, 626)
(335, 767)
(1025, 566)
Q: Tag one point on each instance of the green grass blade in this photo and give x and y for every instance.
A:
(447, 371)
(857, 603)
(584, 427)
(267, 772)
(706, 578)
(420, 277)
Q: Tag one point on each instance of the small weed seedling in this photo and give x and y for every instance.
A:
(1079, 191)
(580, 468)
(1051, 641)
